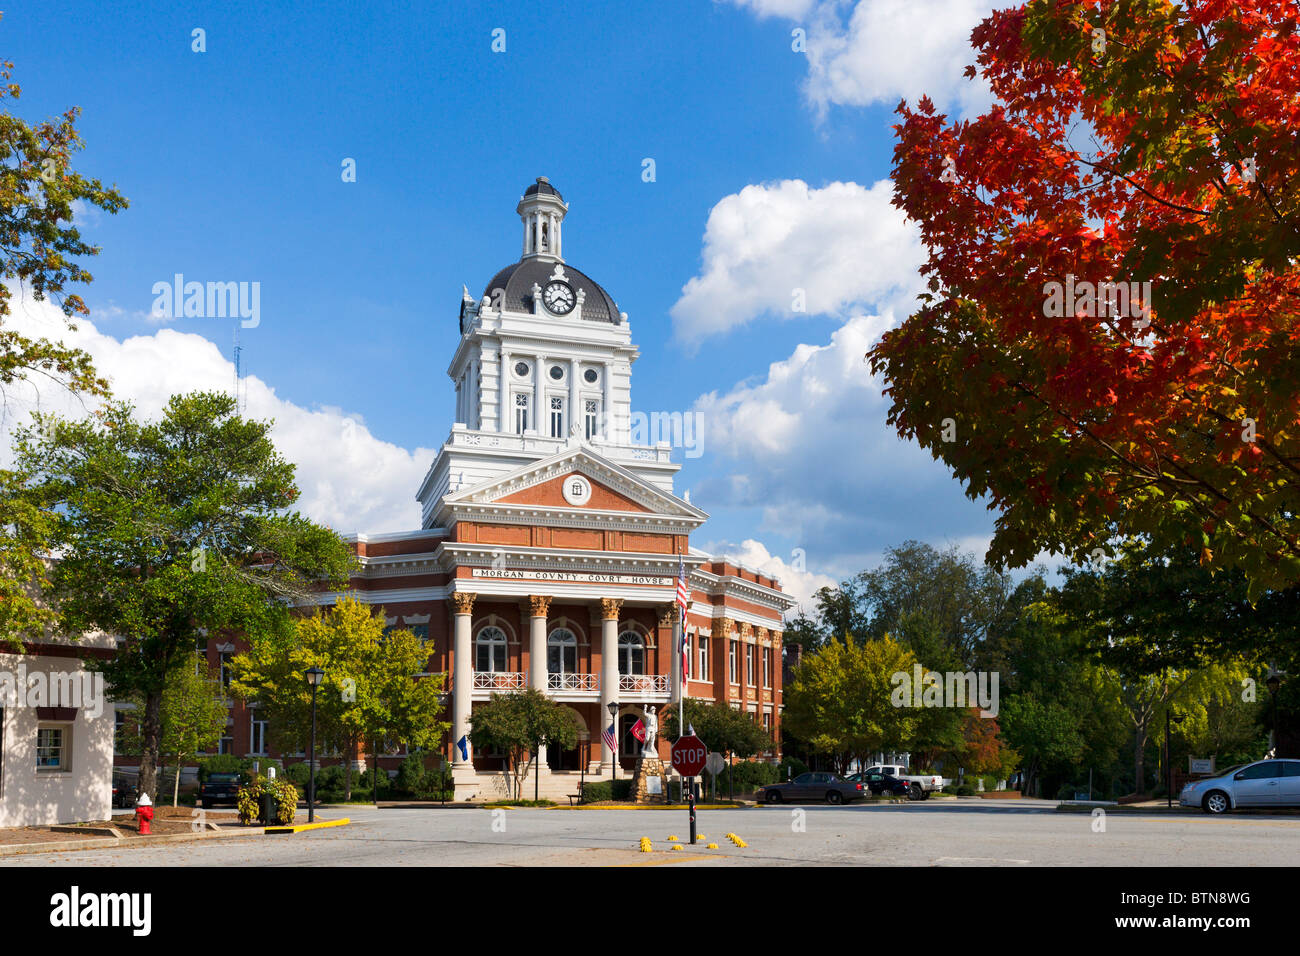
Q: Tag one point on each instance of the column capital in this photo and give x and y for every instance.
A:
(539, 604)
(464, 601)
(744, 630)
(609, 608)
(722, 627)
(669, 614)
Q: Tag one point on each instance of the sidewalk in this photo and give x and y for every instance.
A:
(170, 825)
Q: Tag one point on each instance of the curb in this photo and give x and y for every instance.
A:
(1122, 808)
(100, 843)
(674, 806)
(300, 827)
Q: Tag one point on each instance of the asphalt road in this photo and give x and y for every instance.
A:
(933, 833)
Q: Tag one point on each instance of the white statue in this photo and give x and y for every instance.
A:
(648, 749)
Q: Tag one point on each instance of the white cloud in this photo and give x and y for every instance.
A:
(838, 247)
(795, 580)
(349, 479)
(808, 447)
(885, 50)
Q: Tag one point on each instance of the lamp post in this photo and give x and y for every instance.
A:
(612, 707)
(1273, 682)
(314, 678)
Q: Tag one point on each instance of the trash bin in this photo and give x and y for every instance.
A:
(268, 809)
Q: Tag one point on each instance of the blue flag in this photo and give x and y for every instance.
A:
(463, 744)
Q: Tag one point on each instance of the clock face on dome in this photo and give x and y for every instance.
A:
(559, 297)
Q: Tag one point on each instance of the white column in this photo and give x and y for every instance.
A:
(607, 379)
(537, 642)
(609, 608)
(541, 415)
(462, 675)
(503, 384)
(577, 416)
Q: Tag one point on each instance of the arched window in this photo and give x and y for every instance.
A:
(490, 650)
(562, 652)
(631, 653)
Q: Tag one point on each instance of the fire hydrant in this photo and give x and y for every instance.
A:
(143, 814)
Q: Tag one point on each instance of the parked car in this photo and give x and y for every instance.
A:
(921, 786)
(813, 786)
(1258, 785)
(879, 783)
(219, 788)
(124, 791)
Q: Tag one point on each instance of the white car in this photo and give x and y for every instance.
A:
(1259, 785)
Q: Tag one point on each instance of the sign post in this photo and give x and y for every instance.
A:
(689, 758)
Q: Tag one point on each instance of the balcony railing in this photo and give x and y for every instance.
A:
(500, 680)
(574, 683)
(649, 685)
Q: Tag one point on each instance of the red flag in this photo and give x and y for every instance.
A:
(638, 731)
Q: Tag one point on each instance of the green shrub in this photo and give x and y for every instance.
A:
(747, 776)
(299, 775)
(331, 778)
(219, 763)
(410, 775)
(606, 790)
(248, 800)
(790, 767)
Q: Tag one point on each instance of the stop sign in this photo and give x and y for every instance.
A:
(689, 756)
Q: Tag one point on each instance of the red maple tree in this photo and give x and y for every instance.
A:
(1109, 340)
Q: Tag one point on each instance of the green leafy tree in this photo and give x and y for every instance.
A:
(192, 719)
(370, 691)
(41, 250)
(519, 724)
(1059, 710)
(168, 530)
(942, 604)
(41, 247)
(839, 700)
(723, 728)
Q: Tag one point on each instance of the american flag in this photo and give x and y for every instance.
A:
(684, 602)
(683, 592)
(607, 735)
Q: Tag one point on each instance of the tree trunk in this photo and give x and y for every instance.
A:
(349, 756)
(148, 782)
(176, 785)
(1139, 758)
(374, 774)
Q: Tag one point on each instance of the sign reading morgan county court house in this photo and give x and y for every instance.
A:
(593, 578)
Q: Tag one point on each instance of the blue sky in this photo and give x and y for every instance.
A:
(231, 159)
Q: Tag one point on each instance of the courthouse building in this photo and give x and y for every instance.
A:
(549, 540)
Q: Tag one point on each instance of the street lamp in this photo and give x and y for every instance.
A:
(1273, 682)
(612, 707)
(314, 678)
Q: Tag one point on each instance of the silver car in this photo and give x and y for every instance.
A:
(1259, 785)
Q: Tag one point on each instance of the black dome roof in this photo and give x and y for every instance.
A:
(517, 280)
(543, 187)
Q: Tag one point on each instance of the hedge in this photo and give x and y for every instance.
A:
(606, 790)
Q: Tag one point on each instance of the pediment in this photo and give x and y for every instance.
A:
(611, 488)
